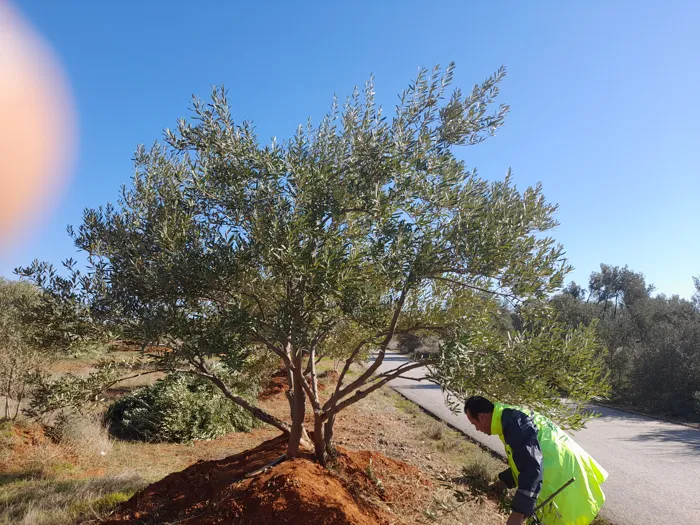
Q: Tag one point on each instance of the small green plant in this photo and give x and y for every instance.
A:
(179, 408)
(6, 434)
(372, 476)
(62, 467)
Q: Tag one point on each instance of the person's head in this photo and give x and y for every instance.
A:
(479, 411)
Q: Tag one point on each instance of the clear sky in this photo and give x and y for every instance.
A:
(604, 97)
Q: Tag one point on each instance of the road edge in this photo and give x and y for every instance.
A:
(656, 417)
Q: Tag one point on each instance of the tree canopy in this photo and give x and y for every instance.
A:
(351, 232)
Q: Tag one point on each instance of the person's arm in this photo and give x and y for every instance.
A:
(520, 434)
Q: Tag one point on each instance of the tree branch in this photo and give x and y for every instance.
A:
(255, 411)
(257, 300)
(109, 385)
(402, 368)
(320, 336)
(314, 384)
(339, 394)
(346, 367)
(416, 379)
(357, 396)
(381, 379)
(281, 353)
(470, 286)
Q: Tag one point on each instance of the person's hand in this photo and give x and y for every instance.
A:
(516, 518)
(499, 487)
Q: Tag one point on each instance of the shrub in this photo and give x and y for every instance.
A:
(179, 409)
(86, 435)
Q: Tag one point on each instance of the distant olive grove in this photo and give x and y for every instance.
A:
(653, 340)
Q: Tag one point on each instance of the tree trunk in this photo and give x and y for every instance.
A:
(19, 404)
(298, 413)
(328, 434)
(319, 441)
(290, 390)
(7, 395)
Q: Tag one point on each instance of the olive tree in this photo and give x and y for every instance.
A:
(351, 232)
(20, 357)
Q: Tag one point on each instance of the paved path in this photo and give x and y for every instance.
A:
(654, 466)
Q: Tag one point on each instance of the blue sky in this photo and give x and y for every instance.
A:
(603, 95)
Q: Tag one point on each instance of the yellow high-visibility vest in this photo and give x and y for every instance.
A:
(562, 459)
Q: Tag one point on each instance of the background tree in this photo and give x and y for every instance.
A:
(654, 342)
(615, 284)
(350, 233)
(20, 357)
(575, 291)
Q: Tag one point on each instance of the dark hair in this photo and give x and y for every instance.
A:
(476, 405)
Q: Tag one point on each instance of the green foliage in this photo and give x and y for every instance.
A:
(178, 409)
(535, 366)
(63, 314)
(654, 342)
(101, 505)
(614, 282)
(16, 298)
(72, 393)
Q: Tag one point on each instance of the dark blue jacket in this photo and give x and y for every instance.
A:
(520, 432)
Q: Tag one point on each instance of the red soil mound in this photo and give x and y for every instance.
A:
(396, 481)
(296, 491)
(277, 385)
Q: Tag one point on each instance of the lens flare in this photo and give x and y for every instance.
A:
(37, 129)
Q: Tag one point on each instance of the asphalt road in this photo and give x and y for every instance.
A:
(654, 466)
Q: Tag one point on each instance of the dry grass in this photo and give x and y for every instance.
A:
(62, 502)
(85, 435)
(478, 469)
(45, 482)
(435, 430)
